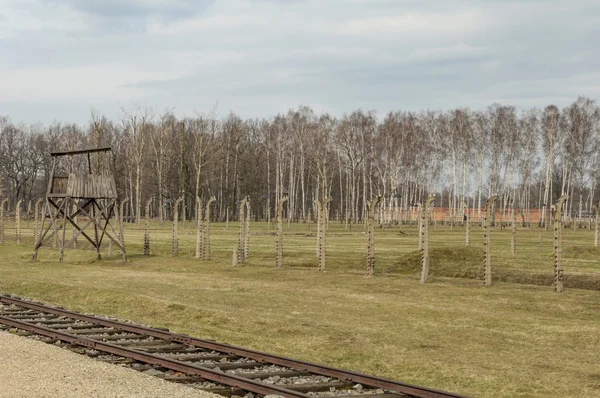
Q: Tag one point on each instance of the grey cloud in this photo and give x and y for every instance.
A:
(299, 51)
(130, 8)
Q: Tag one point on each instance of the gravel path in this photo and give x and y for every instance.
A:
(35, 369)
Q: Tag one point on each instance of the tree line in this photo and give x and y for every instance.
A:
(527, 157)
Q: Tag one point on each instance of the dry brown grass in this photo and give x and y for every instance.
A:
(511, 339)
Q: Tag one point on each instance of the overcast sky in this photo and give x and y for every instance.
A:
(59, 59)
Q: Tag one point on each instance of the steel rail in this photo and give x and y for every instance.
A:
(260, 356)
(205, 373)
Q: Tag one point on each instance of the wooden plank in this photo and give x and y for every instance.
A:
(91, 186)
(81, 151)
(70, 184)
(113, 187)
(105, 188)
(317, 387)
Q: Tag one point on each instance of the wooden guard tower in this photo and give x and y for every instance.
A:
(91, 197)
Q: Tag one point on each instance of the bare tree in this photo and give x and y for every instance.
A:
(551, 139)
(137, 123)
(580, 123)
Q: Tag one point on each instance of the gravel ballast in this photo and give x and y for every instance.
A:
(35, 369)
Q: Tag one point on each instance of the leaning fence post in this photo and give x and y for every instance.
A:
(487, 266)
(425, 239)
(36, 221)
(147, 231)
(175, 250)
(18, 221)
(558, 266)
(121, 221)
(206, 239)
(279, 248)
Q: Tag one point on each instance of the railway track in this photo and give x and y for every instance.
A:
(204, 364)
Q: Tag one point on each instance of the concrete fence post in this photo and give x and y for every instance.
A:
(513, 242)
(147, 229)
(596, 226)
(18, 221)
(241, 233)
(487, 241)
(199, 228)
(425, 239)
(279, 247)
(372, 206)
(558, 266)
(2, 237)
(321, 245)
(206, 239)
(36, 220)
(175, 249)
(247, 232)
(122, 221)
(467, 226)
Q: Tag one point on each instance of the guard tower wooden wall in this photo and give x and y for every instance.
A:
(90, 196)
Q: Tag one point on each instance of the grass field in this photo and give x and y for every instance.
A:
(515, 338)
